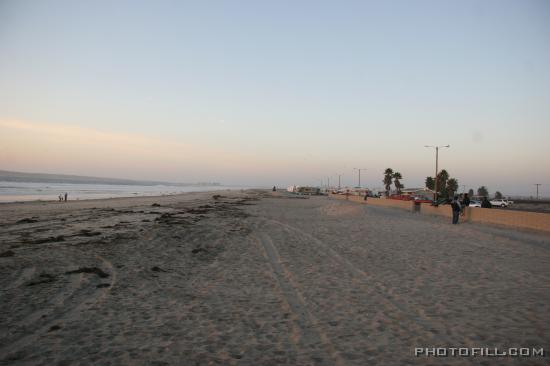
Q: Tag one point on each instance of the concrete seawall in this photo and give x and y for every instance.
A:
(514, 219)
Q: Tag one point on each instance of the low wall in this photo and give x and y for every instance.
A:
(444, 210)
(406, 205)
(518, 219)
(513, 219)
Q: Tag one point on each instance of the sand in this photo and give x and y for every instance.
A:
(256, 278)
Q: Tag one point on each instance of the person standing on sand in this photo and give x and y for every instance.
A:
(455, 205)
(66, 196)
(60, 197)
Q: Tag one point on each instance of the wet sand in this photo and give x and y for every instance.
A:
(252, 278)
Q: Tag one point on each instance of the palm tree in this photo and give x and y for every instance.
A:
(398, 185)
(442, 178)
(483, 191)
(388, 176)
(452, 186)
(430, 183)
(471, 192)
(498, 195)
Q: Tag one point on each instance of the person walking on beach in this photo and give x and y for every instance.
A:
(60, 197)
(455, 205)
(66, 194)
(465, 203)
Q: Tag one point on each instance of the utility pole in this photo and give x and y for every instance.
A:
(339, 176)
(538, 184)
(359, 170)
(436, 167)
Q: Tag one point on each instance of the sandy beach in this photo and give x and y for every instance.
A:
(262, 278)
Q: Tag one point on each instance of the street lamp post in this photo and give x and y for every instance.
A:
(339, 176)
(359, 170)
(538, 184)
(436, 167)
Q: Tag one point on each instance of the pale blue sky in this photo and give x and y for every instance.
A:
(308, 88)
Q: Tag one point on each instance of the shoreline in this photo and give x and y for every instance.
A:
(137, 197)
(19, 210)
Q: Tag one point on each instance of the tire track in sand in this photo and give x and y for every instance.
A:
(308, 332)
(381, 290)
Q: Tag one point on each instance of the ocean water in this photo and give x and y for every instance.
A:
(33, 191)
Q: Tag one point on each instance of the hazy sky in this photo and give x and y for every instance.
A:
(278, 92)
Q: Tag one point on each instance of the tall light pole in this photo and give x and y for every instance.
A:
(436, 167)
(359, 170)
(339, 176)
(538, 184)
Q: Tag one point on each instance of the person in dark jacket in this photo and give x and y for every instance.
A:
(455, 206)
(485, 203)
(465, 203)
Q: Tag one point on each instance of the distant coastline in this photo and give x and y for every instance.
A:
(11, 176)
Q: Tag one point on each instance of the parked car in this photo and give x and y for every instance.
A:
(499, 202)
(422, 199)
(474, 203)
(401, 197)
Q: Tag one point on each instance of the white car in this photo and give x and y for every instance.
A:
(474, 203)
(500, 202)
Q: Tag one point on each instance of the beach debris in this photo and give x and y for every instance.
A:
(165, 217)
(7, 253)
(49, 239)
(199, 250)
(199, 210)
(93, 270)
(27, 221)
(53, 328)
(217, 196)
(16, 355)
(155, 205)
(43, 278)
(88, 232)
(103, 285)
(170, 218)
(157, 269)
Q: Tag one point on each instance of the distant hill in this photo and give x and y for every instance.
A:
(78, 179)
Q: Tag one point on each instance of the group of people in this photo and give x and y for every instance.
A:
(458, 206)
(63, 197)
